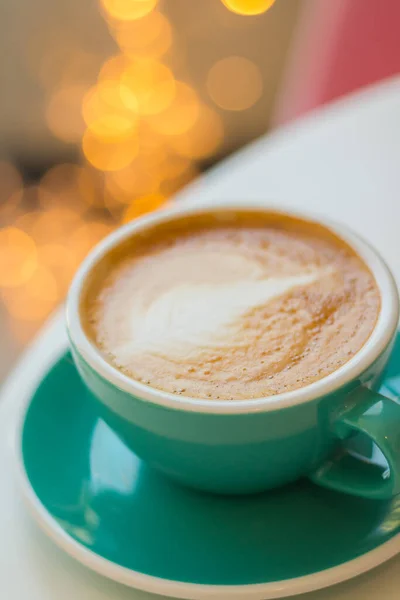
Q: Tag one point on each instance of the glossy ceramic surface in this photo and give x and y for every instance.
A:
(99, 501)
(253, 445)
(250, 452)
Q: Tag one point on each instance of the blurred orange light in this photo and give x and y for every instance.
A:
(175, 166)
(86, 236)
(11, 189)
(114, 96)
(204, 137)
(89, 184)
(36, 298)
(43, 285)
(181, 115)
(18, 257)
(152, 149)
(54, 254)
(56, 183)
(108, 155)
(104, 110)
(150, 37)
(59, 259)
(112, 128)
(113, 205)
(234, 83)
(113, 68)
(171, 185)
(67, 185)
(54, 224)
(141, 133)
(152, 84)
(63, 113)
(127, 10)
(143, 205)
(10, 180)
(136, 180)
(26, 221)
(248, 7)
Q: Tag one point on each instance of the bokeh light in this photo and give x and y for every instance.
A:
(151, 83)
(112, 128)
(11, 189)
(142, 133)
(61, 260)
(153, 148)
(143, 205)
(87, 235)
(18, 257)
(234, 83)
(173, 184)
(181, 115)
(248, 7)
(10, 181)
(113, 68)
(175, 166)
(63, 113)
(39, 296)
(54, 224)
(68, 185)
(127, 10)
(109, 155)
(26, 220)
(136, 180)
(150, 37)
(203, 139)
(105, 111)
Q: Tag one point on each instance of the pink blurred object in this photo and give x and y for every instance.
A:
(340, 46)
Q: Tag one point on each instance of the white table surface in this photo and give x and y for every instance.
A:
(344, 163)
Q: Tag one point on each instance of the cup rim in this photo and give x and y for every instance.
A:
(379, 339)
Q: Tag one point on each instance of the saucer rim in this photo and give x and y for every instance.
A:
(174, 588)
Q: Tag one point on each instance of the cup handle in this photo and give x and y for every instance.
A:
(379, 418)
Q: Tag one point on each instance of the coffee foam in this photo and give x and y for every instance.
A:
(190, 319)
(230, 313)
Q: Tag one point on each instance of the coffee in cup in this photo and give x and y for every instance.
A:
(230, 305)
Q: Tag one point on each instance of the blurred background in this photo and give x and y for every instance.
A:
(109, 107)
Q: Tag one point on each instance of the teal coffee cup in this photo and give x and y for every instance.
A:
(246, 446)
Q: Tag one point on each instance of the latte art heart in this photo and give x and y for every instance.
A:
(232, 311)
(190, 318)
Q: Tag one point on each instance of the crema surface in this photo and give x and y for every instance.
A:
(231, 307)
